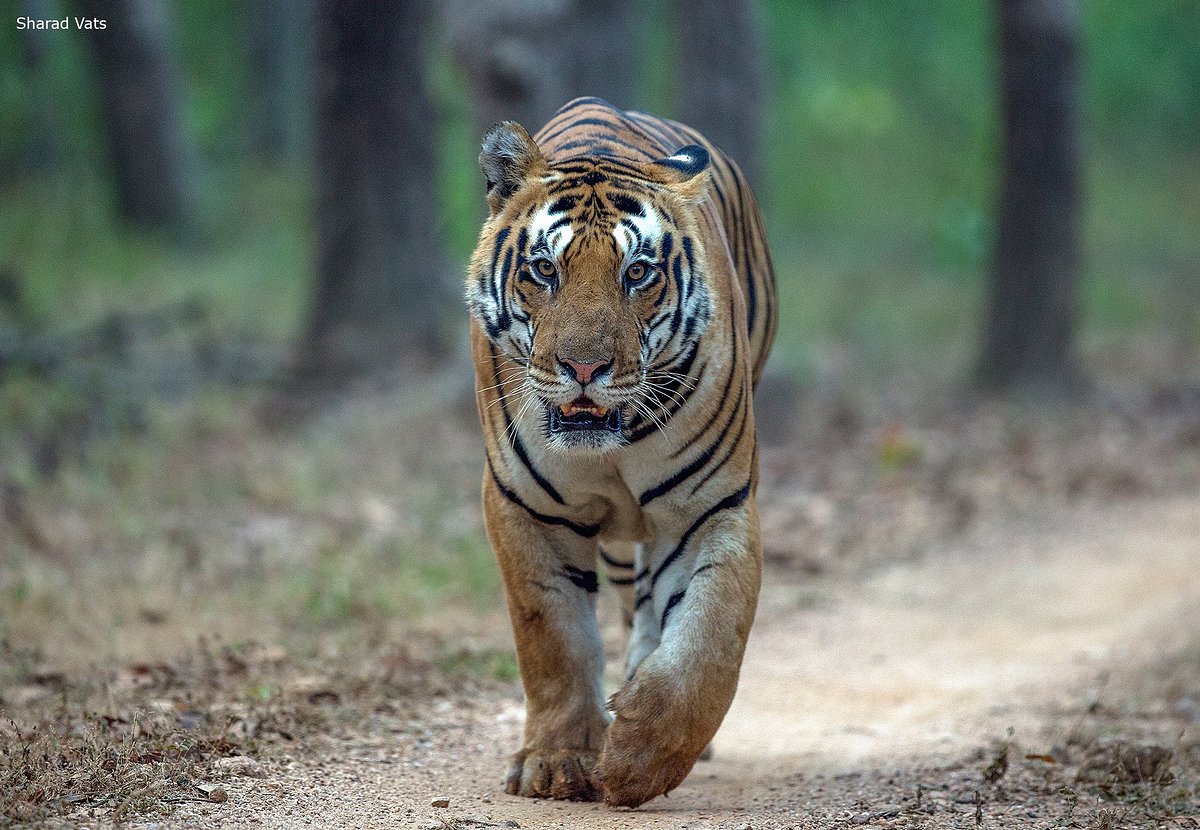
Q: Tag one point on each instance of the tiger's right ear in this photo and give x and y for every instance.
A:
(509, 157)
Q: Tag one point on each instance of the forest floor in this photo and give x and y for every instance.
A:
(1007, 680)
(999, 626)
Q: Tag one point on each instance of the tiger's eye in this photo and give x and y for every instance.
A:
(635, 272)
(545, 268)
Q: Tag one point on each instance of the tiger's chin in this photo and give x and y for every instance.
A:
(585, 426)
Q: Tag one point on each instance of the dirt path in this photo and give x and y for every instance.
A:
(844, 699)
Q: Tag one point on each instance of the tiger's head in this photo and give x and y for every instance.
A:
(589, 273)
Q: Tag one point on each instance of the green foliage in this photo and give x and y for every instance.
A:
(407, 578)
(462, 184)
(212, 40)
(487, 663)
(62, 95)
(1142, 71)
(74, 260)
(881, 175)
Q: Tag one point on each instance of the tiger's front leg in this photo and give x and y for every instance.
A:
(703, 594)
(550, 581)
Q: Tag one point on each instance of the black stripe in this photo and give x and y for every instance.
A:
(593, 142)
(730, 501)
(678, 401)
(522, 239)
(691, 262)
(582, 102)
(724, 205)
(677, 275)
(662, 293)
(504, 321)
(655, 322)
(568, 169)
(633, 126)
(698, 462)
(733, 445)
(668, 246)
(625, 170)
(586, 531)
(518, 445)
(712, 419)
(614, 563)
(681, 361)
(582, 579)
(677, 598)
(654, 127)
(671, 603)
(626, 204)
(751, 288)
(491, 275)
(543, 138)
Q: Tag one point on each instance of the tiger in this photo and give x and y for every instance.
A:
(622, 305)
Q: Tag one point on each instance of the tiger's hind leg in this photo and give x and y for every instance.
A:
(620, 565)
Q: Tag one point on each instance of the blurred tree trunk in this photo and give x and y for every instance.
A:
(153, 162)
(280, 77)
(721, 75)
(603, 49)
(383, 281)
(42, 151)
(526, 58)
(1031, 315)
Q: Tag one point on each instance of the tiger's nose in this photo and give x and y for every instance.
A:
(584, 371)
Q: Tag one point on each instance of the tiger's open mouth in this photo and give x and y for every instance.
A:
(584, 414)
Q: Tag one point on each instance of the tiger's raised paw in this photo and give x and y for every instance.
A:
(565, 774)
(648, 751)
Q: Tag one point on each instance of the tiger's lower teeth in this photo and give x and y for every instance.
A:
(570, 411)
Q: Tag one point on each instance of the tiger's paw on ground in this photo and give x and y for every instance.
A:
(566, 774)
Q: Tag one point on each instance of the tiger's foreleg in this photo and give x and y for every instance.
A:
(550, 581)
(669, 710)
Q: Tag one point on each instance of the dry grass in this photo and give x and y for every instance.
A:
(147, 737)
(1127, 780)
(1129, 758)
(337, 542)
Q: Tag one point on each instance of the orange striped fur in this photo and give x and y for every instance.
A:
(623, 305)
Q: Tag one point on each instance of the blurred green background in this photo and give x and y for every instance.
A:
(123, 431)
(880, 181)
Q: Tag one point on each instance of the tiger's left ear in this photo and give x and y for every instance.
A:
(685, 171)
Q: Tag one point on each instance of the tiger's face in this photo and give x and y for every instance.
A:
(589, 275)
